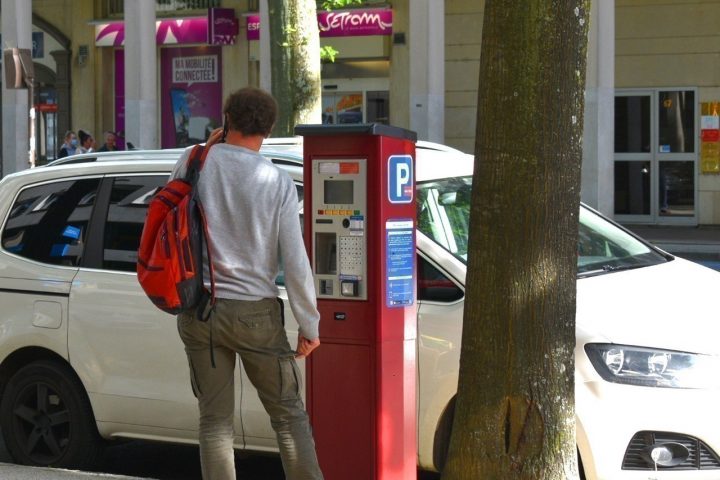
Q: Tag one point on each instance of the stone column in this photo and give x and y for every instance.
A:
(265, 66)
(16, 32)
(598, 188)
(141, 105)
(427, 69)
(62, 87)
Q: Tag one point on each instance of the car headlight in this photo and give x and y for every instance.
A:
(651, 367)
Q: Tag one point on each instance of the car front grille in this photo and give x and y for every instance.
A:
(701, 456)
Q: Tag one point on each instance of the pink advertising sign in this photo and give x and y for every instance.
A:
(347, 23)
(222, 26)
(253, 27)
(191, 94)
(355, 23)
(168, 32)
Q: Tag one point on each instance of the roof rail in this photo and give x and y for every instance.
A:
(120, 155)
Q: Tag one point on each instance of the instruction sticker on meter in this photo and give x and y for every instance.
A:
(400, 262)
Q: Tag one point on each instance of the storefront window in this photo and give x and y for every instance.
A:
(342, 108)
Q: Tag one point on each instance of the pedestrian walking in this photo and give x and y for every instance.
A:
(251, 207)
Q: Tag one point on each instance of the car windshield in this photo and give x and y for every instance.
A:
(444, 212)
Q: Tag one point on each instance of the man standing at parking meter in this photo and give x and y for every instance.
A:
(251, 208)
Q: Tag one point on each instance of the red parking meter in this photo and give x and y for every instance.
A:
(360, 234)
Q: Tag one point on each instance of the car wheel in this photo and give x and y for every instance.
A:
(46, 418)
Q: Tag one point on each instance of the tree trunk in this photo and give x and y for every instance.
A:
(515, 408)
(295, 63)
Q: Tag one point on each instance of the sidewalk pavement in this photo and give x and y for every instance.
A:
(703, 239)
(18, 472)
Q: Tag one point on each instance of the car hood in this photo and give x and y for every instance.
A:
(671, 306)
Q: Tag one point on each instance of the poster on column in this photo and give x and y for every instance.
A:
(191, 94)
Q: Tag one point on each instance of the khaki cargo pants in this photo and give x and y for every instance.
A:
(255, 331)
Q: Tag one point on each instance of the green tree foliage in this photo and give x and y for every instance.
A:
(514, 416)
(335, 4)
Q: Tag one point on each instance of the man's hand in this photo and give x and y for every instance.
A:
(214, 137)
(305, 346)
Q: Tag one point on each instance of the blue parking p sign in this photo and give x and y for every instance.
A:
(400, 179)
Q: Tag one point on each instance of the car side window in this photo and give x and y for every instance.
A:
(129, 200)
(48, 223)
(444, 211)
(434, 286)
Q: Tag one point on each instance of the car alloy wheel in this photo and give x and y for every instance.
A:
(46, 418)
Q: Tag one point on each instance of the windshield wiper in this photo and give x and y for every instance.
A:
(611, 269)
(620, 268)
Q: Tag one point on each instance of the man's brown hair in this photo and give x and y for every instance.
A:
(251, 111)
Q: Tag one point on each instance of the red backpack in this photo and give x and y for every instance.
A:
(170, 256)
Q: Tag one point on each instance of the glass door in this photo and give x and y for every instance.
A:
(676, 155)
(633, 156)
(656, 156)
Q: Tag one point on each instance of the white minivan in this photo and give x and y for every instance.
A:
(85, 357)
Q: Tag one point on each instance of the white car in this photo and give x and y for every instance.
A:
(85, 356)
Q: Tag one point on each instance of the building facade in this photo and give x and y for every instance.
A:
(653, 142)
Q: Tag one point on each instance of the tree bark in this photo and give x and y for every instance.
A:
(514, 416)
(295, 63)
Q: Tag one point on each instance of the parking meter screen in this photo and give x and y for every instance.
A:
(338, 192)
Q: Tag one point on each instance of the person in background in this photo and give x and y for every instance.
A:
(109, 145)
(239, 187)
(70, 146)
(87, 142)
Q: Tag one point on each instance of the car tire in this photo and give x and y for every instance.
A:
(47, 420)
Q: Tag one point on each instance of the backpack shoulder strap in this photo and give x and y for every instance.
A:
(195, 163)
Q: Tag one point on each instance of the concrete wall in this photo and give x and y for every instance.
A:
(463, 34)
(663, 43)
(237, 71)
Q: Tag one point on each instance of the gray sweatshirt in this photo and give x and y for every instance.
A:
(252, 212)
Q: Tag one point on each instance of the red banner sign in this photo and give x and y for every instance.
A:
(710, 135)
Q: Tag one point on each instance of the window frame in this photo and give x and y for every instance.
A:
(93, 258)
